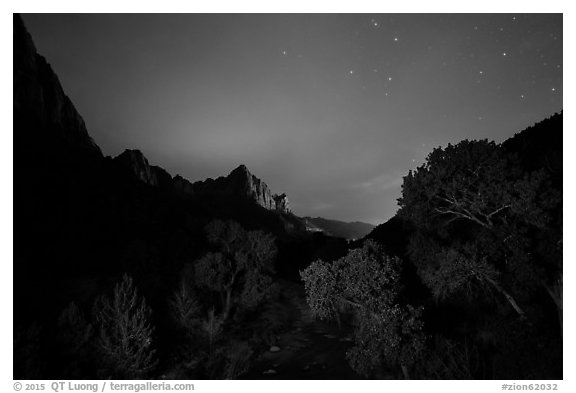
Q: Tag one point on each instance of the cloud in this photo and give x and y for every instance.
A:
(322, 206)
(381, 183)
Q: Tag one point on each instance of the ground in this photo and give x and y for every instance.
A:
(310, 349)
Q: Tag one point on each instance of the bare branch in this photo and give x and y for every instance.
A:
(497, 211)
(468, 216)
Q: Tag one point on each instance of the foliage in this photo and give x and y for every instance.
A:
(387, 333)
(237, 360)
(240, 269)
(74, 341)
(450, 359)
(75, 331)
(476, 212)
(125, 339)
(185, 309)
(468, 274)
(474, 181)
(390, 337)
(28, 363)
(212, 328)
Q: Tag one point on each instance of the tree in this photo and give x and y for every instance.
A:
(185, 309)
(475, 181)
(478, 210)
(368, 282)
(240, 268)
(74, 341)
(125, 339)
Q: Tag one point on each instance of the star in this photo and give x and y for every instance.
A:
(395, 39)
(389, 78)
(513, 18)
(521, 95)
(284, 53)
(351, 72)
(504, 54)
(553, 89)
(481, 72)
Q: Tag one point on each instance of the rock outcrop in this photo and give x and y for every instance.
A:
(281, 202)
(239, 184)
(50, 130)
(134, 162)
(41, 107)
(182, 186)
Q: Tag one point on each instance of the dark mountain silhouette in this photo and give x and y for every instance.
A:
(78, 213)
(133, 162)
(540, 147)
(347, 230)
(40, 105)
(82, 220)
(239, 184)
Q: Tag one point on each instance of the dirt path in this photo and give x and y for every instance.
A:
(312, 349)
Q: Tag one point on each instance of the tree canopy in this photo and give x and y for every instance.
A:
(240, 267)
(475, 181)
(367, 281)
(477, 212)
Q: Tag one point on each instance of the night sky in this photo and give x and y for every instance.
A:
(331, 109)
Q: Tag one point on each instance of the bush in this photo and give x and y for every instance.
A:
(387, 334)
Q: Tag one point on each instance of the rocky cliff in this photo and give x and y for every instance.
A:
(134, 162)
(52, 134)
(40, 105)
(243, 184)
(239, 184)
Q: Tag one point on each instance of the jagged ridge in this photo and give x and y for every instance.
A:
(240, 183)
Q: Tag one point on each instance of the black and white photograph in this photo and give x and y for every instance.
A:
(288, 196)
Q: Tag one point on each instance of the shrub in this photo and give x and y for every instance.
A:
(387, 334)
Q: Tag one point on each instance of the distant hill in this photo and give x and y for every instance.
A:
(540, 146)
(347, 230)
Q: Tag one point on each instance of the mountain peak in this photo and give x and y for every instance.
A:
(241, 170)
(134, 161)
(42, 111)
(243, 183)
